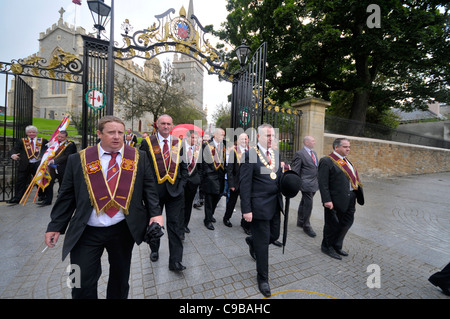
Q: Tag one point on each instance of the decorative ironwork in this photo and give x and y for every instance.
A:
(63, 66)
(180, 34)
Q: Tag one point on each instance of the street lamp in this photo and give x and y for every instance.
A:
(242, 53)
(102, 11)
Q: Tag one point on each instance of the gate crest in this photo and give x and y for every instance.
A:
(181, 34)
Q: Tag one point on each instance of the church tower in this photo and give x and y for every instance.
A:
(190, 70)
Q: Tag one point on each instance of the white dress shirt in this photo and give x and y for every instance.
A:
(104, 220)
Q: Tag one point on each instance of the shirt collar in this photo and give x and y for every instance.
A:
(338, 155)
(161, 138)
(101, 151)
(263, 149)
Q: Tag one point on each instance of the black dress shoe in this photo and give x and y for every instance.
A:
(177, 266)
(187, 230)
(44, 204)
(13, 201)
(227, 223)
(331, 252)
(341, 252)
(309, 231)
(209, 225)
(264, 288)
(154, 256)
(213, 219)
(277, 243)
(249, 242)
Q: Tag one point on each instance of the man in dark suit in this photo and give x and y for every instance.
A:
(261, 200)
(340, 189)
(213, 174)
(57, 165)
(95, 212)
(130, 138)
(305, 164)
(171, 174)
(28, 152)
(233, 174)
(192, 158)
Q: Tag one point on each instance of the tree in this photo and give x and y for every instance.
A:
(156, 96)
(323, 46)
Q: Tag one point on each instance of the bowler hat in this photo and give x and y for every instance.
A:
(290, 184)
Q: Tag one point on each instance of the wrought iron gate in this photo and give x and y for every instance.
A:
(250, 108)
(23, 116)
(94, 77)
(247, 99)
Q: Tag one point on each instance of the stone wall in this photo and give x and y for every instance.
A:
(379, 158)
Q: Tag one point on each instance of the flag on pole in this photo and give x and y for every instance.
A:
(42, 178)
(77, 2)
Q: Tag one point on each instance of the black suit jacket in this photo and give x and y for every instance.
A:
(213, 181)
(259, 193)
(62, 157)
(24, 161)
(73, 208)
(175, 189)
(195, 177)
(234, 168)
(334, 185)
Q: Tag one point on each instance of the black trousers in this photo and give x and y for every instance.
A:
(442, 278)
(87, 253)
(264, 232)
(305, 209)
(337, 224)
(174, 207)
(231, 203)
(211, 201)
(24, 178)
(190, 190)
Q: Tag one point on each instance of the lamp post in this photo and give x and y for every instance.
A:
(100, 12)
(242, 52)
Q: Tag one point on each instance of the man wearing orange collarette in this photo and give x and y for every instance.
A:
(340, 189)
(28, 153)
(171, 173)
(107, 200)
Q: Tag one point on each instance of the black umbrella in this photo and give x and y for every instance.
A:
(290, 186)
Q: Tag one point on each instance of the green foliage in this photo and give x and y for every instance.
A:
(318, 47)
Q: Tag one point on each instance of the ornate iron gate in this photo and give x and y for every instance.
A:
(247, 99)
(94, 77)
(23, 116)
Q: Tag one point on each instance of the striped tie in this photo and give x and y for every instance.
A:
(111, 177)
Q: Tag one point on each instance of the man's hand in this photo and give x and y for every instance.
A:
(51, 238)
(158, 219)
(248, 216)
(328, 205)
(15, 157)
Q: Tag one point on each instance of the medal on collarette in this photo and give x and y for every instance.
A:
(272, 174)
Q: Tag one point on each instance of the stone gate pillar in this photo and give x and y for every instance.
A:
(312, 120)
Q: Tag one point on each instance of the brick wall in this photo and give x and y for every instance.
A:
(381, 158)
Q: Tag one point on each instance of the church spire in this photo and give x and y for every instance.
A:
(191, 12)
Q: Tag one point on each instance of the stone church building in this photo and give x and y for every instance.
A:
(56, 99)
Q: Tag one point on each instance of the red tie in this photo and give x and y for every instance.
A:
(32, 146)
(111, 177)
(166, 153)
(192, 164)
(268, 157)
(313, 157)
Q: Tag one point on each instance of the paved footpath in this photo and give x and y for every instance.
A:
(402, 234)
